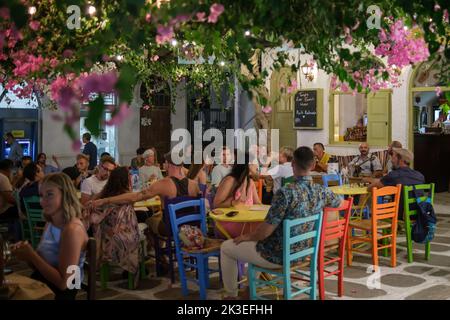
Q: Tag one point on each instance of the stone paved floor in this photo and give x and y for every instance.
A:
(418, 280)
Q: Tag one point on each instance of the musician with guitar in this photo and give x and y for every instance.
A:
(366, 165)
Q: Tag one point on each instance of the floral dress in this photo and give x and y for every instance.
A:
(117, 233)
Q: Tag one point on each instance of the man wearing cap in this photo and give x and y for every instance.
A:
(401, 174)
(149, 171)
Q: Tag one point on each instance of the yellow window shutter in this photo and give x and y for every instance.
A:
(379, 118)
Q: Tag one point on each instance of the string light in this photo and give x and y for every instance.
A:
(92, 10)
(32, 10)
(174, 42)
(247, 33)
(119, 57)
(222, 63)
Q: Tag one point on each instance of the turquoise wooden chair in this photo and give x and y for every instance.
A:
(409, 200)
(285, 181)
(35, 219)
(283, 278)
(194, 258)
(326, 178)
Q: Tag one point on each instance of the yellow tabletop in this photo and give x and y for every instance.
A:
(153, 202)
(255, 213)
(349, 190)
(25, 288)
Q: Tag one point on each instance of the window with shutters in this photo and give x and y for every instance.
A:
(360, 118)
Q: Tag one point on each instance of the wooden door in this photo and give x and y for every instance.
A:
(283, 116)
(155, 125)
(379, 118)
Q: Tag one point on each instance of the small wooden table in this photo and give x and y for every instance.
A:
(153, 202)
(349, 190)
(25, 288)
(247, 214)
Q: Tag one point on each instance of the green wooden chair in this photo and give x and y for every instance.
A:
(408, 200)
(24, 226)
(35, 218)
(285, 181)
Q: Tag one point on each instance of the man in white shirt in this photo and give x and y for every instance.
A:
(221, 170)
(283, 170)
(94, 184)
(149, 171)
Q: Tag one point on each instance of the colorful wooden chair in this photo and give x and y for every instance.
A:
(286, 277)
(326, 178)
(333, 236)
(381, 227)
(409, 201)
(200, 256)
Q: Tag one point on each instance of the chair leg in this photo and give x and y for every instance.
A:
(427, 250)
(182, 273)
(349, 248)
(313, 283)
(206, 266)
(385, 241)
(321, 278)
(131, 281)
(251, 282)
(171, 260)
(340, 278)
(104, 275)
(408, 231)
(202, 277)
(374, 250)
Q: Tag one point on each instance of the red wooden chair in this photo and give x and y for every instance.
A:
(333, 236)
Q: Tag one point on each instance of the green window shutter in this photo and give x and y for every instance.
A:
(379, 118)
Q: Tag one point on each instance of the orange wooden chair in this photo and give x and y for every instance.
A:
(259, 188)
(381, 226)
(333, 236)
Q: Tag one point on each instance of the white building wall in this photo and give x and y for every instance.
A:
(400, 112)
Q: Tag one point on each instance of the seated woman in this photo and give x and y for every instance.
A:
(237, 189)
(64, 241)
(115, 226)
(33, 173)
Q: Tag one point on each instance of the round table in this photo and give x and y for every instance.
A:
(25, 288)
(349, 190)
(247, 214)
(153, 202)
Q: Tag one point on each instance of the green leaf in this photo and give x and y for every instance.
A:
(95, 113)
(126, 80)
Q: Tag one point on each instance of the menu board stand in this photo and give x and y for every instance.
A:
(308, 109)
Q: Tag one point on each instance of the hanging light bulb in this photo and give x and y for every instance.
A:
(247, 33)
(222, 63)
(32, 10)
(174, 42)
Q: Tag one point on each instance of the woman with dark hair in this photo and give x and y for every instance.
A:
(116, 226)
(32, 174)
(237, 189)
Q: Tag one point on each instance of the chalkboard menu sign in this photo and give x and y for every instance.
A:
(308, 105)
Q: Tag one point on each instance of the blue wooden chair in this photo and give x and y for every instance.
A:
(283, 278)
(331, 177)
(200, 256)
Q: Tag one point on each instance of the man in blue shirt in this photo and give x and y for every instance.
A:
(16, 152)
(90, 149)
(264, 246)
(401, 174)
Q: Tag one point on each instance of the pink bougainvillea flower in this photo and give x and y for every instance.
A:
(179, 19)
(437, 7)
(4, 13)
(201, 16)
(155, 58)
(146, 107)
(438, 91)
(344, 87)
(445, 15)
(165, 34)
(76, 145)
(148, 17)
(120, 116)
(34, 25)
(67, 53)
(292, 87)
(215, 11)
(267, 109)
(348, 39)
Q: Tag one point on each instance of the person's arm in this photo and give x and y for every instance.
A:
(202, 177)
(322, 167)
(223, 197)
(260, 233)
(8, 197)
(85, 198)
(55, 159)
(86, 192)
(376, 183)
(72, 241)
(131, 197)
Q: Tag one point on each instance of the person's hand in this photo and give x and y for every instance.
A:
(242, 238)
(22, 250)
(54, 158)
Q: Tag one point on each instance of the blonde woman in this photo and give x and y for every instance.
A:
(64, 240)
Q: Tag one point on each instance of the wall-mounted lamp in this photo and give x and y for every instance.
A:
(307, 71)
